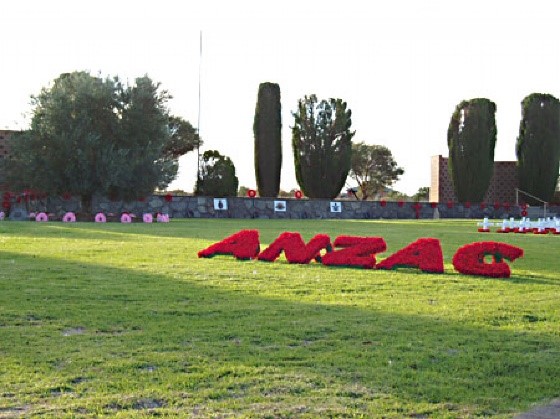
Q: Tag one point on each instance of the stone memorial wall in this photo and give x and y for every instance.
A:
(267, 208)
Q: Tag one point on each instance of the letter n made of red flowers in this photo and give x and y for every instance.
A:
(295, 249)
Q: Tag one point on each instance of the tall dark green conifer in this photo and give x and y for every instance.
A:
(471, 139)
(267, 128)
(538, 146)
(322, 146)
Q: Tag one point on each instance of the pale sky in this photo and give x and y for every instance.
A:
(402, 66)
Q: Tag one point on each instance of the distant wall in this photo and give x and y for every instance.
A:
(264, 208)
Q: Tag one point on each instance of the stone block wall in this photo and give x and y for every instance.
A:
(264, 208)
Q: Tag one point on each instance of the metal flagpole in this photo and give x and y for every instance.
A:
(199, 96)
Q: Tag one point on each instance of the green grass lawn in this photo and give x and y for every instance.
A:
(125, 320)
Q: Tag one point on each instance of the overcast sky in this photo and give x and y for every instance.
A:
(402, 66)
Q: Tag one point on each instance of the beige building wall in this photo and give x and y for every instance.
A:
(501, 189)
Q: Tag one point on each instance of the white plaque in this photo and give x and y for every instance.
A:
(279, 206)
(336, 206)
(220, 204)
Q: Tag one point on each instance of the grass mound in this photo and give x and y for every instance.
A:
(125, 320)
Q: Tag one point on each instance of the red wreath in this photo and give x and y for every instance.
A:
(251, 193)
(524, 213)
(497, 205)
(449, 204)
(400, 204)
(506, 206)
(6, 204)
(417, 207)
(298, 194)
(467, 204)
(433, 204)
(469, 259)
(482, 205)
(383, 203)
(168, 197)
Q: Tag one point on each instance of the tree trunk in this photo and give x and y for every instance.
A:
(86, 203)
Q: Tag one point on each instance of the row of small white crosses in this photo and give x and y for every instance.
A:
(524, 224)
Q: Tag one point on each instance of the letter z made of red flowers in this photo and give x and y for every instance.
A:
(356, 251)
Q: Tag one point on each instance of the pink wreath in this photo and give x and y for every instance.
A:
(147, 218)
(69, 217)
(100, 218)
(162, 218)
(42, 217)
(126, 218)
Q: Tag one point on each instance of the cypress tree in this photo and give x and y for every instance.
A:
(538, 146)
(471, 139)
(322, 146)
(267, 128)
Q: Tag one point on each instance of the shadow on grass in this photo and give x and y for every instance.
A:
(226, 345)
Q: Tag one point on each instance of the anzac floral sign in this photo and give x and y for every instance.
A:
(481, 258)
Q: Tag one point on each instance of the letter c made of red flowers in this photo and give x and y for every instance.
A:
(469, 259)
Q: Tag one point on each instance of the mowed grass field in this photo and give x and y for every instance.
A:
(126, 320)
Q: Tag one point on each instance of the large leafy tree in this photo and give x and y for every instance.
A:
(91, 136)
(217, 176)
(183, 138)
(373, 168)
(322, 146)
(471, 138)
(538, 146)
(267, 128)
